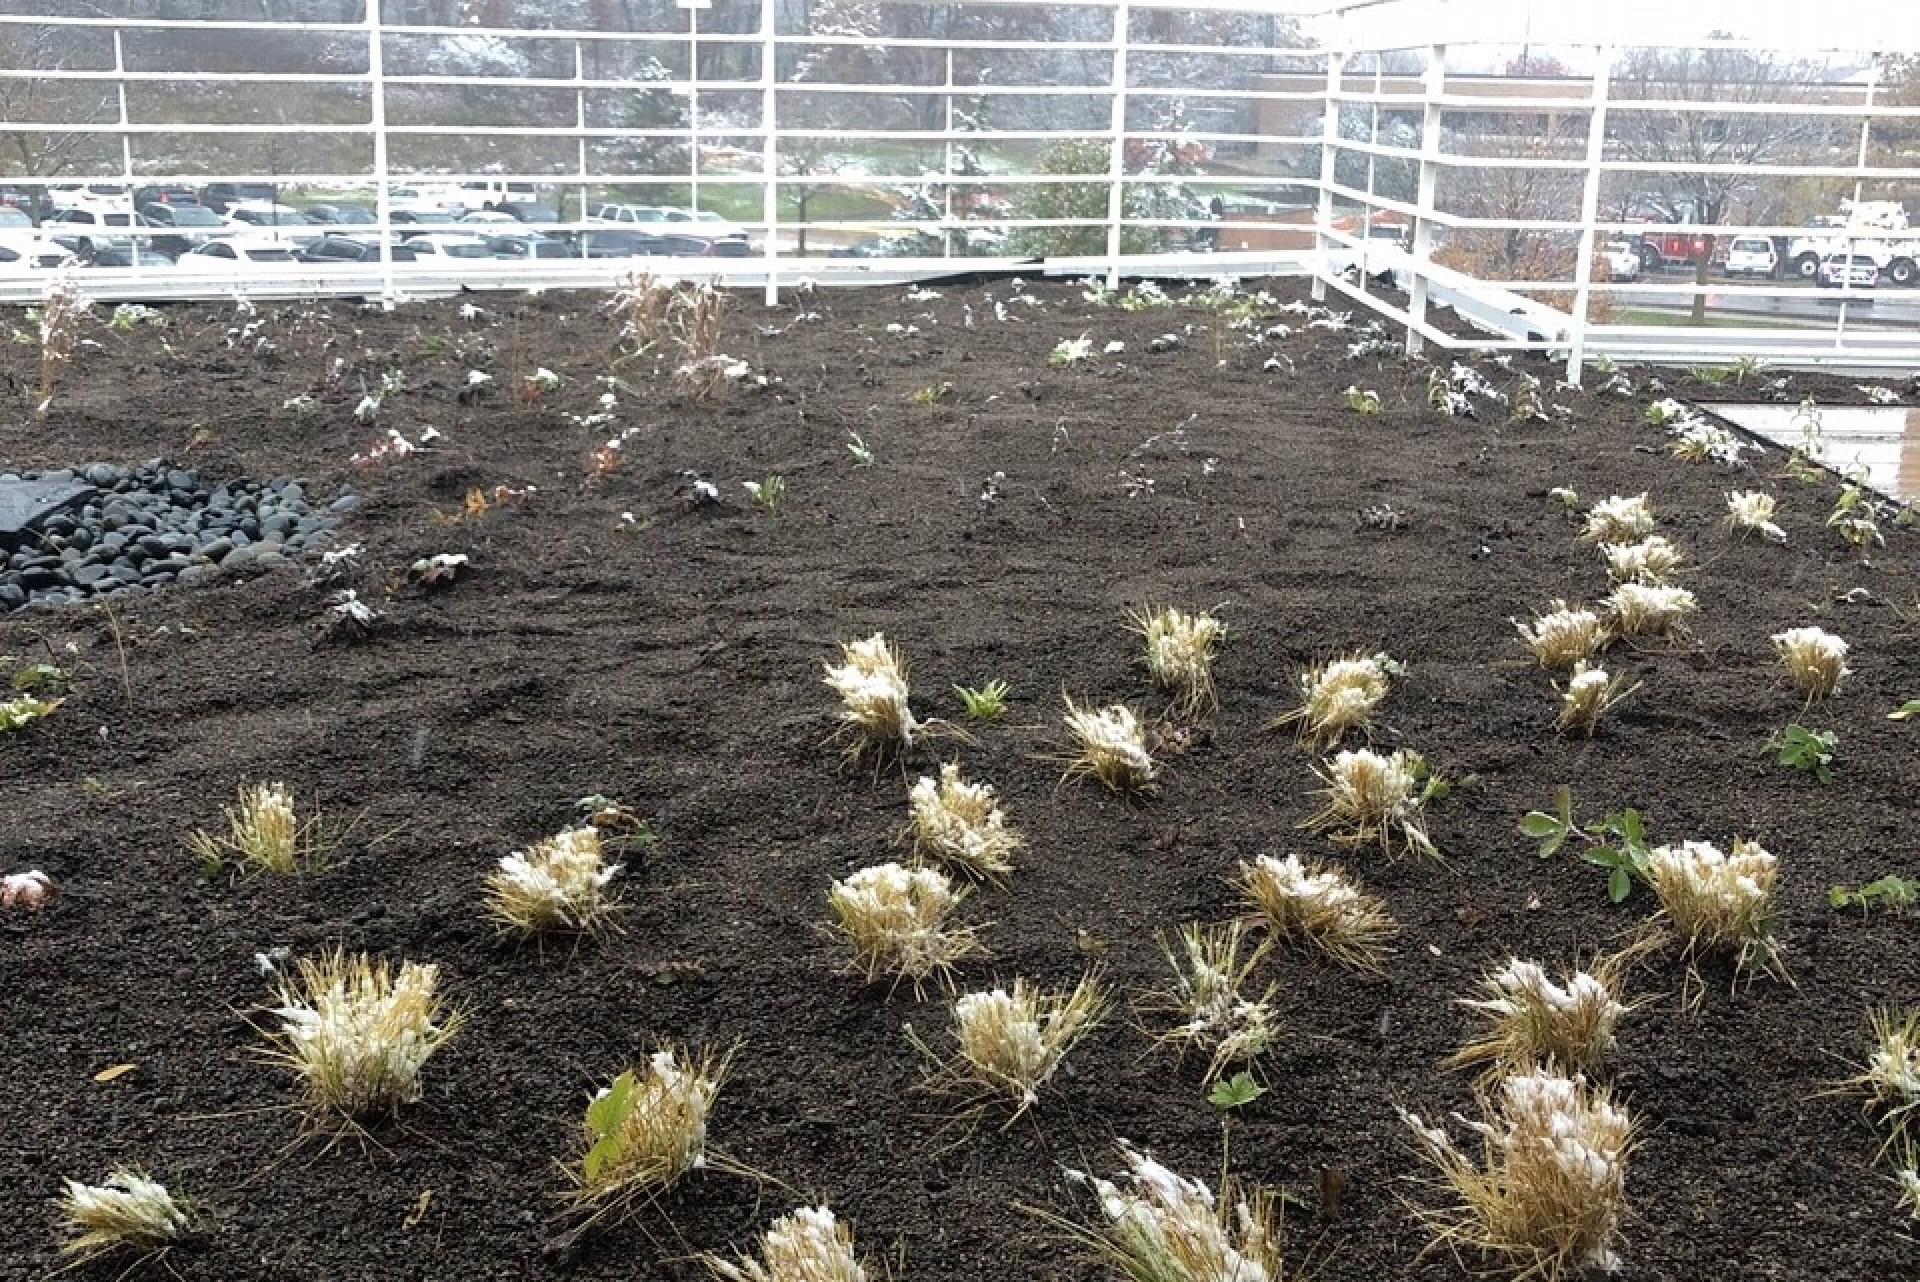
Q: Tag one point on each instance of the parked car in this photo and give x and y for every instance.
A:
(183, 226)
(10, 217)
(130, 256)
(531, 245)
(341, 215)
(421, 204)
(165, 195)
(1622, 260)
(20, 252)
(493, 216)
(96, 196)
(443, 247)
(692, 246)
(704, 222)
(250, 215)
(1752, 256)
(492, 193)
(527, 212)
(220, 197)
(237, 254)
(346, 249)
(85, 230)
(1856, 270)
(627, 215)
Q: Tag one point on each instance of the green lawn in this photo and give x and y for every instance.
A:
(1681, 320)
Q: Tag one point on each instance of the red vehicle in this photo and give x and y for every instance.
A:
(1659, 249)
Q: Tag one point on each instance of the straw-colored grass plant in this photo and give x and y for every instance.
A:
(1211, 968)
(1529, 1020)
(1653, 559)
(1158, 1226)
(1619, 520)
(1320, 907)
(1547, 1190)
(896, 921)
(1719, 904)
(1375, 798)
(871, 680)
(264, 834)
(1179, 655)
(1011, 1041)
(358, 1032)
(1112, 747)
(1564, 636)
(1338, 696)
(557, 884)
(1588, 696)
(1649, 610)
(808, 1245)
(1817, 660)
(960, 824)
(644, 1131)
(1890, 1079)
(1751, 511)
(130, 1212)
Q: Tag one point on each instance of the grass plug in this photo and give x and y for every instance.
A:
(1652, 560)
(1588, 696)
(1719, 903)
(558, 884)
(1816, 659)
(1564, 636)
(645, 1131)
(1375, 798)
(1211, 967)
(1320, 907)
(1113, 747)
(809, 1245)
(1179, 655)
(895, 920)
(1010, 1042)
(871, 680)
(264, 834)
(1751, 512)
(1619, 520)
(129, 1212)
(1339, 696)
(1646, 610)
(1159, 1226)
(961, 824)
(1530, 1021)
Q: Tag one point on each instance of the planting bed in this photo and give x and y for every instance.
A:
(617, 638)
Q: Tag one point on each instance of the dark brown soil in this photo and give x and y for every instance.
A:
(673, 660)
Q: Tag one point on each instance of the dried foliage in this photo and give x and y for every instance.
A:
(871, 680)
(129, 1212)
(808, 1245)
(1319, 906)
(1565, 636)
(896, 920)
(1339, 696)
(1619, 520)
(60, 311)
(1530, 1021)
(1162, 1227)
(1645, 610)
(1211, 968)
(557, 884)
(644, 1131)
(1890, 1079)
(264, 834)
(1009, 1043)
(1816, 658)
(1751, 512)
(1112, 747)
(1374, 798)
(1589, 695)
(1719, 904)
(961, 824)
(1653, 559)
(1179, 655)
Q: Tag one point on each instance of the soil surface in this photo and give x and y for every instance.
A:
(614, 637)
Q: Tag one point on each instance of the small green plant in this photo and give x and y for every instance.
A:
(1799, 467)
(1906, 711)
(1748, 367)
(128, 316)
(1852, 519)
(1807, 750)
(24, 710)
(1234, 1092)
(130, 1211)
(40, 678)
(1617, 843)
(1364, 401)
(862, 454)
(987, 703)
(936, 393)
(1891, 892)
(769, 494)
(1712, 375)
(644, 1131)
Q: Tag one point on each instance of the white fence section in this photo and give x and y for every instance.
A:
(1475, 157)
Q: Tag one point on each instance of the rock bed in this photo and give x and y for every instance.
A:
(148, 526)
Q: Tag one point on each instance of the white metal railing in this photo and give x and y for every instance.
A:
(1327, 94)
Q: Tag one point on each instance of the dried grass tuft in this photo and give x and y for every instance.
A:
(961, 824)
(1751, 511)
(1651, 560)
(1374, 798)
(644, 1131)
(1010, 1042)
(1532, 1021)
(895, 919)
(1647, 610)
(1619, 520)
(129, 1212)
(558, 884)
(1179, 655)
(1890, 1079)
(1162, 1227)
(1211, 967)
(808, 1245)
(1338, 696)
(1319, 906)
(1719, 904)
(871, 680)
(1816, 658)
(1113, 747)
(1564, 636)
(1589, 695)
(265, 834)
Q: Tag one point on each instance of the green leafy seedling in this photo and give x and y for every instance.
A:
(1808, 750)
(1891, 891)
(768, 494)
(1234, 1092)
(986, 703)
(607, 1126)
(1552, 830)
(1906, 711)
(1618, 843)
(37, 677)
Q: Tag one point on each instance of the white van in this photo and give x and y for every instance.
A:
(485, 195)
(1751, 256)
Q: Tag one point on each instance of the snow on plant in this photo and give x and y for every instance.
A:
(1179, 654)
(871, 680)
(1531, 1021)
(1653, 559)
(439, 569)
(1319, 906)
(557, 884)
(24, 710)
(1697, 441)
(1852, 519)
(1908, 1179)
(1162, 1227)
(1589, 695)
(1619, 520)
(31, 889)
(1564, 636)
(1362, 401)
(264, 833)
(808, 1245)
(1648, 610)
(1340, 695)
(1112, 747)
(1374, 798)
(1070, 351)
(646, 1130)
(1878, 395)
(58, 322)
(1548, 1188)
(960, 823)
(368, 409)
(1010, 1042)
(1753, 510)
(349, 618)
(1816, 658)
(130, 1211)
(359, 1033)
(1890, 1079)
(391, 446)
(895, 919)
(1663, 412)
(539, 383)
(640, 302)
(1211, 967)
(1372, 347)
(1719, 903)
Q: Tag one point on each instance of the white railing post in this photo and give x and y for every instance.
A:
(693, 105)
(1422, 247)
(1329, 150)
(1590, 210)
(770, 151)
(946, 169)
(377, 108)
(1116, 142)
(579, 123)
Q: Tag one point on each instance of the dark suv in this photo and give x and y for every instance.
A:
(219, 197)
(183, 226)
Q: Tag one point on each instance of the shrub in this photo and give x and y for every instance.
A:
(1548, 1189)
(1339, 696)
(1113, 747)
(1209, 972)
(809, 1245)
(1011, 1042)
(646, 1130)
(1375, 798)
(1564, 636)
(1320, 907)
(556, 884)
(130, 1211)
(1719, 903)
(871, 681)
(1163, 1227)
(1532, 1021)
(960, 823)
(1816, 658)
(896, 920)
(1179, 655)
(358, 1033)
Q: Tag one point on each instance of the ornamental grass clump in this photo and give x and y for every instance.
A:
(645, 1130)
(896, 920)
(1113, 747)
(1648, 610)
(1589, 694)
(358, 1032)
(558, 884)
(1210, 967)
(961, 824)
(1179, 655)
(1319, 906)
(1653, 559)
(1374, 798)
(1011, 1042)
(871, 680)
(1719, 903)
(1162, 1227)
(1566, 635)
(128, 1212)
(809, 1245)
(1339, 696)
(1619, 520)
(1890, 1079)
(1548, 1189)
(1816, 658)
(1531, 1021)
(264, 834)
(1751, 512)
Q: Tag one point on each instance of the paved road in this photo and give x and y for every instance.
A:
(1806, 303)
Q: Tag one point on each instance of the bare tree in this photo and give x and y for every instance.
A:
(1666, 141)
(29, 100)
